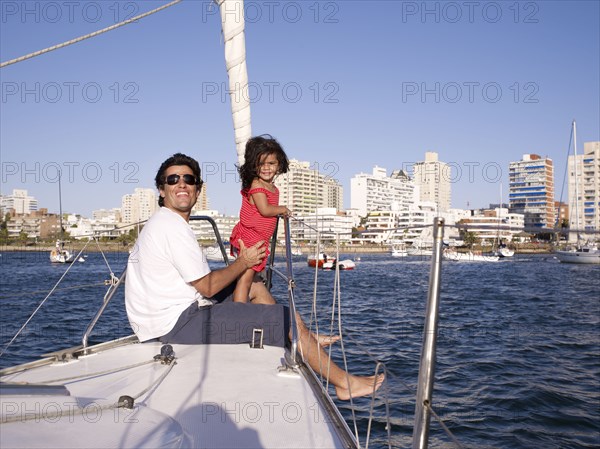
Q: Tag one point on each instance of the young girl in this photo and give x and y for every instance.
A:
(264, 158)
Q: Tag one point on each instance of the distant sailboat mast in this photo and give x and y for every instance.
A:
(60, 215)
(575, 163)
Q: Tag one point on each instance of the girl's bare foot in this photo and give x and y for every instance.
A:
(327, 340)
(360, 386)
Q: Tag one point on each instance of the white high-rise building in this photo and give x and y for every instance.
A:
(303, 189)
(19, 201)
(379, 192)
(202, 203)
(329, 222)
(585, 210)
(531, 191)
(138, 206)
(433, 179)
(113, 215)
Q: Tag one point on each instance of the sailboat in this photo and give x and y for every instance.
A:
(123, 394)
(501, 249)
(398, 249)
(581, 253)
(59, 254)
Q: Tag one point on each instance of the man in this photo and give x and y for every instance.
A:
(172, 295)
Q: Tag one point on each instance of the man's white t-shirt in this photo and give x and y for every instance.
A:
(164, 260)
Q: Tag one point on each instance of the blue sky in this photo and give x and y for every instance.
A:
(345, 85)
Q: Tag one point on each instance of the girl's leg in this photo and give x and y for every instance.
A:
(242, 289)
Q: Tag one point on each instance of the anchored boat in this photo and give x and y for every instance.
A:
(581, 253)
(122, 393)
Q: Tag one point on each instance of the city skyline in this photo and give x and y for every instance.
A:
(345, 85)
(302, 167)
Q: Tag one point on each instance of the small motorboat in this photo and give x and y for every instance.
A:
(345, 264)
(319, 260)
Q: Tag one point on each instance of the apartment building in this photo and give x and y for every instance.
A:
(490, 225)
(531, 191)
(138, 206)
(328, 221)
(378, 192)
(584, 197)
(36, 224)
(433, 180)
(304, 188)
(19, 202)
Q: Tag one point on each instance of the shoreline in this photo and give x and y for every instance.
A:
(120, 248)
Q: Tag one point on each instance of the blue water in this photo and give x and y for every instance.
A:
(518, 356)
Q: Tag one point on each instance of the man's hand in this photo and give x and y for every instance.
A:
(253, 255)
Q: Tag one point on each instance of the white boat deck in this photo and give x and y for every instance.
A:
(216, 396)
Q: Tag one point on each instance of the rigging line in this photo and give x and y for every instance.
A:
(388, 425)
(72, 412)
(87, 375)
(3, 350)
(87, 36)
(392, 375)
(58, 289)
(446, 429)
(104, 257)
(337, 294)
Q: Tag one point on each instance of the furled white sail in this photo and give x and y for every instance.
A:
(232, 20)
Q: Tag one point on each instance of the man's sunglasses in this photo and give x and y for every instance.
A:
(190, 180)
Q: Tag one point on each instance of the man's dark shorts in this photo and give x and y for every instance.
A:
(228, 322)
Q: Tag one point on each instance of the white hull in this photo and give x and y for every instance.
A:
(469, 257)
(62, 256)
(345, 264)
(582, 257)
(399, 253)
(215, 396)
(505, 252)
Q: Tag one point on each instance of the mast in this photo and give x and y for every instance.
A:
(499, 219)
(575, 162)
(60, 216)
(233, 24)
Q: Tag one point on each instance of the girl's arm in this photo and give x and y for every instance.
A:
(266, 209)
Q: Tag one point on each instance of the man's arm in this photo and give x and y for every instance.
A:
(217, 280)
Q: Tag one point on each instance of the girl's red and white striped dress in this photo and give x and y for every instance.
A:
(253, 227)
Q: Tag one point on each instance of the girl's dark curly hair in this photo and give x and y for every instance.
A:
(177, 159)
(256, 148)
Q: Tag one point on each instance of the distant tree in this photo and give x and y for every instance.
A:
(23, 236)
(4, 230)
(470, 238)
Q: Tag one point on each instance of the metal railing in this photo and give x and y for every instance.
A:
(107, 297)
(291, 285)
(115, 285)
(428, 351)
